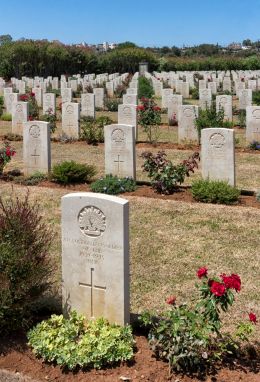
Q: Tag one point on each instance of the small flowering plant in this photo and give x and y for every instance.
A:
(254, 145)
(190, 337)
(33, 106)
(6, 154)
(149, 117)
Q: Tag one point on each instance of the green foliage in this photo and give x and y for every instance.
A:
(51, 119)
(164, 175)
(13, 137)
(31, 180)
(256, 97)
(75, 342)
(113, 185)
(194, 92)
(258, 196)
(210, 118)
(24, 264)
(209, 191)
(69, 172)
(242, 119)
(145, 88)
(92, 131)
(6, 116)
(149, 117)
(112, 104)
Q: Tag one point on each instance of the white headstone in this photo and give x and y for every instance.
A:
(120, 150)
(88, 105)
(127, 116)
(174, 102)
(224, 102)
(49, 103)
(70, 119)
(99, 97)
(95, 256)
(253, 123)
(187, 130)
(218, 154)
(20, 113)
(36, 147)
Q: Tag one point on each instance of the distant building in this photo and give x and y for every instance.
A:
(235, 46)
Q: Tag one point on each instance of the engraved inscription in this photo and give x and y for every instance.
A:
(118, 137)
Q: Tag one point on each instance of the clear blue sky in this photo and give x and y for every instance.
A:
(145, 22)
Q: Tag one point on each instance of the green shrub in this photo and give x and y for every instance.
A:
(258, 196)
(6, 117)
(256, 98)
(74, 342)
(210, 118)
(242, 119)
(92, 131)
(145, 88)
(71, 172)
(1, 105)
(194, 92)
(31, 180)
(214, 191)
(112, 104)
(113, 185)
(24, 264)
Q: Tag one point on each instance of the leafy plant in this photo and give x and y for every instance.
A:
(92, 131)
(51, 119)
(24, 264)
(255, 145)
(189, 337)
(194, 92)
(31, 180)
(75, 342)
(164, 175)
(112, 104)
(12, 137)
(214, 191)
(1, 105)
(113, 185)
(149, 117)
(258, 196)
(72, 172)
(210, 118)
(256, 97)
(242, 119)
(145, 88)
(6, 116)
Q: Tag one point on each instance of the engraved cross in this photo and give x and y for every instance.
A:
(92, 287)
(34, 155)
(118, 162)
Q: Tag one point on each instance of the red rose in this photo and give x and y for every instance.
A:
(156, 108)
(252, 317)
(171, 300)
(218, 289)
(202, 272)
(8, 151)
(32, 94)
(141, 107)
(30, 118)
(232, 282)
(13, 153)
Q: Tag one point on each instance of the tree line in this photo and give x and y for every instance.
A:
(43, 58)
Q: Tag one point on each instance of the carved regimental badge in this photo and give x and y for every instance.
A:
(34, 131)
(92, 221)
(118, 136)
(217, 141)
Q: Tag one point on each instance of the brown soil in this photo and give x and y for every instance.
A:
(16, 357)
(183, 194)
